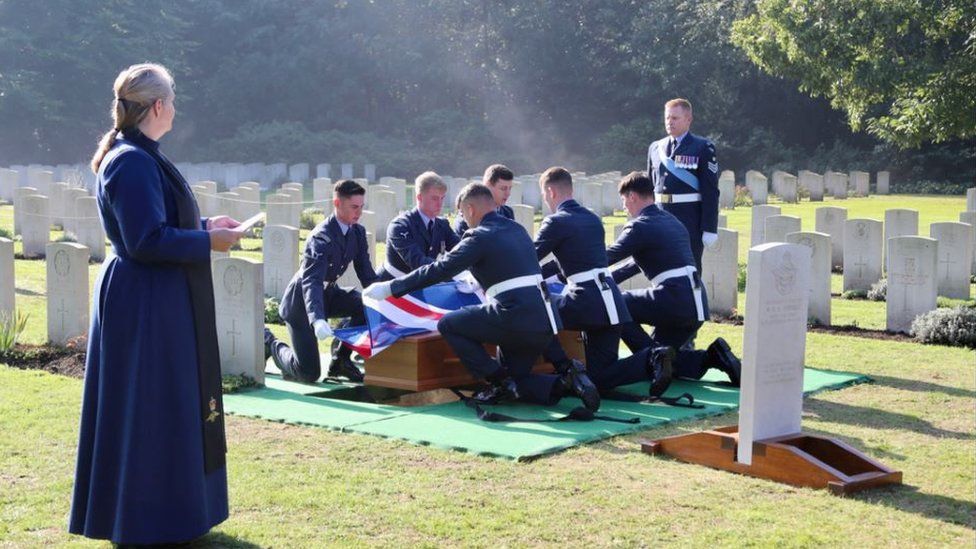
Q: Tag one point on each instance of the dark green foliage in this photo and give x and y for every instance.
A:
(310, 218)
(854, 294)
(528, 83)
(956, 326)
(234, 383)
(741, 282)
(6, 233)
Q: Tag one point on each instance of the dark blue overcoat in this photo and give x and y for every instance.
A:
(140, 473)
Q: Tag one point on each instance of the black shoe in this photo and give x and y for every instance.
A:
(269, 340)
(659, 370)
(574, 379)
(343, 367)
(497, 391)
(720, 355)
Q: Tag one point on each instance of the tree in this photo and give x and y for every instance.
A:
(904, 70)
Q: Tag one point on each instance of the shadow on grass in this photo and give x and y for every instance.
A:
(24, 291)
(922, 386)
(910, 500)
(220, 539)
(875, 418)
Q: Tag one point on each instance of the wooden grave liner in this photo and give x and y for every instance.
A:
(426, 362)
(801, 459)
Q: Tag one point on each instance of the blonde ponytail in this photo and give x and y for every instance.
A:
(136, 88)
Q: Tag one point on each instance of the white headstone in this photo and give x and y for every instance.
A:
(67, 291)
(726, 190)
(912, 285)
(295, 204)
(830, 220)
(720, 273)
(788, 188)
(280, 254)
(592, 197)
(862, 253)
(813, 183)
(883, 182)
(777, 182)
(276, 173)
(899, 222)
(515, 197)
(758, 187)
(971, 199)
(323, 170)
(36, 225)
(777, 295)
(837, 185)
(71, 219)
(759, 215)
(59, 208)
(322, 194)
(778, 226)
(525, 216)
(7, 293)
(238, 289)
(399, 188)
(368, 220)
(298, 173)
(19, 194)
(611, 198)
(819, 244)
(861, 182)
(384, 204)
(8, 182)
(347, 171)
(40, 179)
(723, 221)
(369, 170)
(970, 219)
(955, 258)
(88, 227)
(280, 211)
(249, 201)
(371, 191)
(227, 204)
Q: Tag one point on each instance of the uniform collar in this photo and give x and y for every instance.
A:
(337, 226)
(424, 218)
(679, 139)
(566, 204)
(649, 210)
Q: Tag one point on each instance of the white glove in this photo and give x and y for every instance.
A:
(465, 283)
(708, 239)
(322, 329)
(378, 291)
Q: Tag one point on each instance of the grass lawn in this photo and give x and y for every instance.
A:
(296, 486)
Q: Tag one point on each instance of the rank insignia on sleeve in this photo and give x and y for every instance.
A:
(214, 414)
(713, 167)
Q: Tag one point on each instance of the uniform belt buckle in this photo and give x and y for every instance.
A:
(666, 198)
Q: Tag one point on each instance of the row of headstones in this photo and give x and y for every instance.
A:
(227, 175)
(42, 177)
(67, 208)
(237, 297)
(857, 243)
(788, 186)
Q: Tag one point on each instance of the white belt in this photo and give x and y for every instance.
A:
(526, 281)
(605, 290)
(397, 273)
(688, 271)
(677, 198)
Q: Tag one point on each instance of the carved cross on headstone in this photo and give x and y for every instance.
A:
(276, 278)
(62, 311)
(946, 262)
(860, 266)
(711, 284)
(233, 333)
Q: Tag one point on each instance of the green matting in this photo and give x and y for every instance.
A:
(454, 426)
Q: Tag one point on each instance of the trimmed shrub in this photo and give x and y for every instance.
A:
(310, 218)
(879, 290)
(742, 196)
(955, 327)
(854, 294)
(4, 233)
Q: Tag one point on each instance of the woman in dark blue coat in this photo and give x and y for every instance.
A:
(151, 451)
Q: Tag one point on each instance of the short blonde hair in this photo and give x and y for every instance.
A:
(428, 180)
(679, 102)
